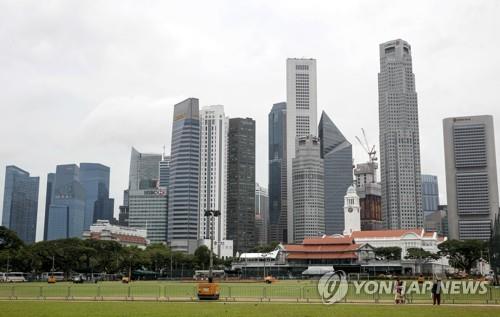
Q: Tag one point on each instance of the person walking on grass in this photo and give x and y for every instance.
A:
(436, 292)
(398, 289)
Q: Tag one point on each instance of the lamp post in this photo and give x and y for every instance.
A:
(211, 214)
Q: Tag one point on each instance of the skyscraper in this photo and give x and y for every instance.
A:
(213, 171)
(20, 203)
(308, 189)
(301, 118)
(368, 190)
(148, 210)
(471, 176)
(164, 171)
(261, 215)
(94, 178)
(144, 170)
(399, 138)
(66, 217)
(430, 194)
(184, 175)
(51, 178)
(336, 153)
(277, 173)
(241, 184)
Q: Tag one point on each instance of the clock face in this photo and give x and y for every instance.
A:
(349, 209)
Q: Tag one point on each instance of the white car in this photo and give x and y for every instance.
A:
(15, 277)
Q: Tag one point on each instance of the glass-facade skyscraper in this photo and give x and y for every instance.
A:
(336, 153)
(94, 178)
(241, 184)
(183, 191)
(20, 203)
(430, 194)
(144, 170)
(277, 173)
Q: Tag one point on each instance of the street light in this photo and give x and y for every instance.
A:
(211, 214)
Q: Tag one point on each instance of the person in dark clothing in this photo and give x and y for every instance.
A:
(436, 292)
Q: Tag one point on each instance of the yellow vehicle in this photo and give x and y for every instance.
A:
(208, 291)
(51, 279)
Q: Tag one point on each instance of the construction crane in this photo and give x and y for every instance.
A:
(370, 150)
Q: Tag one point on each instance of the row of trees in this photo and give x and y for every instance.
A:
(87, 256)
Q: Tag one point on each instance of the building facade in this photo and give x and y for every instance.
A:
(471, 176)
(51, 179)
(20, 203)
(164, 171)
(144, 170)
(308, 189)
(399, 138)
(241, 184)
(213, 171)
(301, 118)
(277, 173)
(184, 175)
(430, 194)
(103, 230)
(94, 178)
(66, 217)
(261, 215)
(336, 153)
(368, 190)
(352, 216)
(148, 210)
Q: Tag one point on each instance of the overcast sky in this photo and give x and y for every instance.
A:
(83, 81)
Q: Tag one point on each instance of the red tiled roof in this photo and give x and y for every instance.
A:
(302, 255)
(385, 233)
(328, 240)
(321, 248)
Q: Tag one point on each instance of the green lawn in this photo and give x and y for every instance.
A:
(153, 309)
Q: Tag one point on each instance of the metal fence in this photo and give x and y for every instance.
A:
(228, 292)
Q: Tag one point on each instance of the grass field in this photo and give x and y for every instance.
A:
(154, 309)
(301, 290)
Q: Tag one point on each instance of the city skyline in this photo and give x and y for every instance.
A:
(102, 123)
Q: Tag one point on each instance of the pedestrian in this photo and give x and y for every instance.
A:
(436, 292)
(398, 288)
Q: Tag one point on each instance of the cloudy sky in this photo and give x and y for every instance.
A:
(83, 81)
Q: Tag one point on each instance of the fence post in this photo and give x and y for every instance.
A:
(159, 292)
(13, 292)
(41, 292)
(229, 291)
(128, 291)
(98, 292)
(69, 293)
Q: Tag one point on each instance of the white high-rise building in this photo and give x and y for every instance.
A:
(399, 138)
(301, 118)
(213, 172)
(352, 216)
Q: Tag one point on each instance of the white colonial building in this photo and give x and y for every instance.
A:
(126, 236)
(352, 217)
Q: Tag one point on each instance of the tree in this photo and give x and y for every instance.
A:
(9, 241)
(388, 253)
(202, 256)
(420, 256)
(159, 256)
(463, 255)
(265, 248)
(494, 250)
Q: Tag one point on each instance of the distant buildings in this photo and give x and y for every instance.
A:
(183, 190)
(399, 138)
(261, 215)
(277, 173)
(241, 194)
(430, 194)
(308, 189)
(368, 190)
(104, 231)
(66, 217)
(76, 197)
(148, 210)
(471, 176)
(301, 120)
(20, 203)
(164, 171)
(336, 153)
(144, 170)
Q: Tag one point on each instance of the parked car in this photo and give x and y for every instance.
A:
(12, 277)
(78, 279)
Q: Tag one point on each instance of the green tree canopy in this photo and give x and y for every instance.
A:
(463, 255)
(388, 253)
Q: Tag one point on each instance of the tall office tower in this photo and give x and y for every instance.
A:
(277, 173)
(261, 215)
(471, 176)
(164, 171)
(368, 190)
(123, 215)
(241, 184)
(144, 170)
(399, 138)
(308, 189)
(430, 194)
(336, 153)
(66, 217)
(94, 178)
(51, 178)
(148, 210)
(301, 118)
(20, 203)
(213, 171)
(184, 176)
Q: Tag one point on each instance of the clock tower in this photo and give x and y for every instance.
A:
(352, 217)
